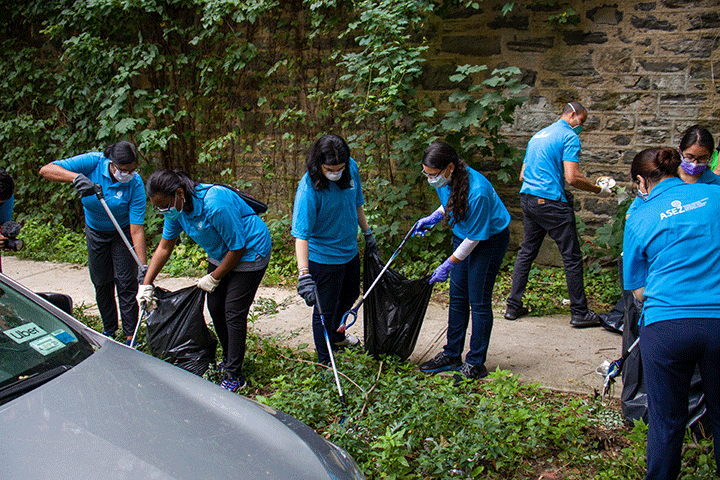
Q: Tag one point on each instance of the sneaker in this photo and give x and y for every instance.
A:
(514, 313)
(109, 333)
(349, 341)
(441, 363)
(232, 383)
(221, 365)
(469, 372)
(590, 319)
(134, 344)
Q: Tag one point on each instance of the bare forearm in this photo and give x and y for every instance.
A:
(56, 173)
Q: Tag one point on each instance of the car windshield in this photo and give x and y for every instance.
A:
(35, 344)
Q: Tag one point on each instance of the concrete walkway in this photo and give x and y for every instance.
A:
(543, 350)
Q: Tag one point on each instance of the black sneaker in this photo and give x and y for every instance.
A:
(515, 313)
(469, 372)
(590, 319)
(441, 363)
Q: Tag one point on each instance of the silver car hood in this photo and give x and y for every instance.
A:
(123, 414)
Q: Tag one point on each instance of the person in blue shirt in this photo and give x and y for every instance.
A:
(238, 246)
(479, 223)
(7, 203)
(551, 159)
(111, 264)
(328, 210)
(671, 263)
(696, 149)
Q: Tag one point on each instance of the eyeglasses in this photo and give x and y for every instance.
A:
(117, 167)
(166, 209)
(692, 158)
(432, 177)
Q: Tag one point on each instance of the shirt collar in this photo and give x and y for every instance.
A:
(664, 185)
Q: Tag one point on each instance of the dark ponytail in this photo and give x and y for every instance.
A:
(121, 153)
(166, 182)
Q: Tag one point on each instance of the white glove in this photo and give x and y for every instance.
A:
(604, 191)
(145, 297)
(208, 283)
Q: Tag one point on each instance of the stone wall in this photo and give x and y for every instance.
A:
(644, 70)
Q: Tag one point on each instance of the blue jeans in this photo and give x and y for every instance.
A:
(471, 286)
(670, 350)
(338, 286)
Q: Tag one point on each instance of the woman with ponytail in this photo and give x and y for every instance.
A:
(238, 245)
(479, 223)
(670, 263)
(110, 262)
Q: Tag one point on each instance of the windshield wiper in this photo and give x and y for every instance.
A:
(26, 383)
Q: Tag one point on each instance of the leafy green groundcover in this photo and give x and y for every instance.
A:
(402, 424)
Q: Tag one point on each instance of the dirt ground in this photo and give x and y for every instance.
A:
(543, 350)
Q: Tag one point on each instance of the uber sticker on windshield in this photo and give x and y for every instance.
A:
(24, 333)
(46, 345)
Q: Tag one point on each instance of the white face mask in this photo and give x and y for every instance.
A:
(123, 177)
(439, 181)
(334, 176)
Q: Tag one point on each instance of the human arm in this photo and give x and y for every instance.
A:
(159, 259)
(56, 173)
(306, 285)
(639, 294)
(577, 179)
(370, 242)
(426, 223)
(137, 233)
(522, 172)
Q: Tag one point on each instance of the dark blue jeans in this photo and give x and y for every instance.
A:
(471, 286)
(670, 350)
(338, 287)
(548, 217)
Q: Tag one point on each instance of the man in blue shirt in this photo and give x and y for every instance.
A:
(551, 159)
(7, 202)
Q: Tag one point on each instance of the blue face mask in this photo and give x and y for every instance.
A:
(643, 195)
(173, 213)
(577, 129)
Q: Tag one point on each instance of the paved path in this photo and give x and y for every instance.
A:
(543, 350)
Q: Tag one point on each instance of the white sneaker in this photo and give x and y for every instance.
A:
(350, 341)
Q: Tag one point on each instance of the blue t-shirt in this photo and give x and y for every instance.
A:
(221, 221)
(544, 174)
(486, 214)
(6, 209)
(126, 201)
(669, 248)
(328, 218)
(707, 177)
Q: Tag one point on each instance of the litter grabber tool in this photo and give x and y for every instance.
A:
(353, 311)
(101, 197)
(614, 368)
(332, 356)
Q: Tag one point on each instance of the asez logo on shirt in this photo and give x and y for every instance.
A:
(679, 208)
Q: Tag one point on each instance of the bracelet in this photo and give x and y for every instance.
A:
(367, 232)
(303, 270)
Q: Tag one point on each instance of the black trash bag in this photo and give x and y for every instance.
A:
(176, 330)
(394, 310)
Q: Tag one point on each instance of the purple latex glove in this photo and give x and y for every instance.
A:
(426, 223)
(442, 272)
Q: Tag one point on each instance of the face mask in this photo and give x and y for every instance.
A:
(577, 129)
(174, 213)
(643, 195)
(123, 177)
(334, 176)
(692, 168)
(438, 182)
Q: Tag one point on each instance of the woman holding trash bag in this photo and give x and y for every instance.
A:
(110, 262)
(238, 245)
(670, 262)
(328, 210)
(479, 222)
(696, 150)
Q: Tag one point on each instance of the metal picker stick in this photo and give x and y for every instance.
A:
(99, 194)
(332, 356)
(353, 311)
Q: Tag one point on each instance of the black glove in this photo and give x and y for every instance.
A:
(306, 289)
(84, 185)
(142, 270)
(370, 242)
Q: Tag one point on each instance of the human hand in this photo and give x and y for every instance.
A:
(604, 191)
(442, 272)
(145, 297)
(208, 283)
(84, 185)
(142, 270)
(306, 289)
(370, 242)
(423, 225)
(606, 184)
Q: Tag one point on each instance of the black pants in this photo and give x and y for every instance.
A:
(229, 305)
(557, 219)
(112, 266)
(338, 287)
